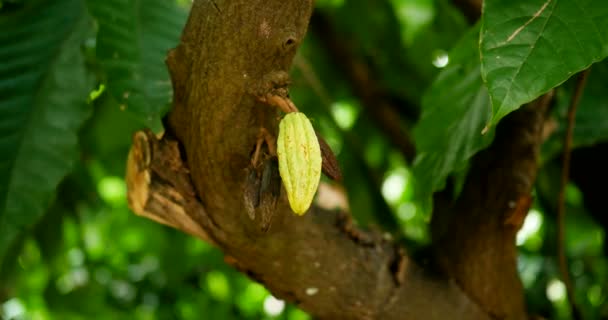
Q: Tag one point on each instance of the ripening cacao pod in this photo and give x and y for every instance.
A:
(299, 160)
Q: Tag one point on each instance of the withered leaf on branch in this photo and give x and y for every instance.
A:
(251, 192)
(330, 165)
(270, 191)
(261, 191)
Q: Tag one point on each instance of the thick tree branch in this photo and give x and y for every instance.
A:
(230, 54)
(321, 262)
(474, 236)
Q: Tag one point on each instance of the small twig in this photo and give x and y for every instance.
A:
(561, 205)
(283, 103)
(263, 136)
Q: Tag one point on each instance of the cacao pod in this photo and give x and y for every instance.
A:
(300, 160)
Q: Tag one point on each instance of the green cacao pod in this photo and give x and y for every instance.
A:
(299, 160)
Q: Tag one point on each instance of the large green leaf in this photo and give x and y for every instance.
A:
(43, 91)
(455, 110)
(531, 46)
(132, 43)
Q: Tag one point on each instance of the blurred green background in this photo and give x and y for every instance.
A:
(73, 250)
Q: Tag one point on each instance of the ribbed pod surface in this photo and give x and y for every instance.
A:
(299, 160)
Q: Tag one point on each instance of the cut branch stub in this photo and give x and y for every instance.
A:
(161, 189)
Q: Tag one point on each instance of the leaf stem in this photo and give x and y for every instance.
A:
(561, 205)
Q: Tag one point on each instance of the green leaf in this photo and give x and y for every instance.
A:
(591, 122)
(454, 112)
(43, 90)
(132, 42)
(531, 46)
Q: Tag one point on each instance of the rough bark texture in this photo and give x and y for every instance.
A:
(231, 54)
(321, 261)
(474, 236)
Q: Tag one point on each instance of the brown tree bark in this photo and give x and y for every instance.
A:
(233, 52)
(474, 235)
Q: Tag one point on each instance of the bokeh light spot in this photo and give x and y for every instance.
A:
(532, 225)
(395, 184)
(13, 309)
(273, 306)
(556, 290)
(218, 285)
(113, 190)
(345, 114)
(440, 59)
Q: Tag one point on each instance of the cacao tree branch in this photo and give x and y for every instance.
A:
(474, 235)
(231, 52)
(321, 262)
